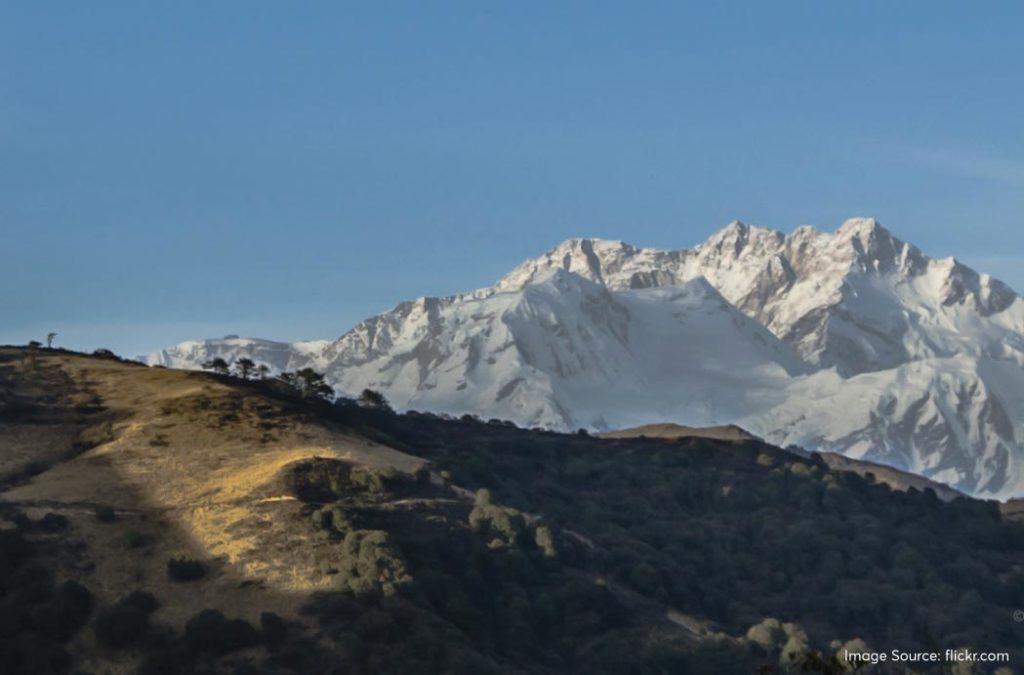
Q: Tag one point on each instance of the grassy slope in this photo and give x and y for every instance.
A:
(188, 461)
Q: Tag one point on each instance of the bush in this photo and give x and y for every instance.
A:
(53, 522)
(376, 626)
(120, 626)
(545, 541)
(143, 600)
(367, 563)
(66, 611)
(135, 539)
(32, 583)
(273, 627)
(210, 632)
(14, 550)
(185, 569)
(767, 635)
(173, 659)
(105, 514)
(505, 525)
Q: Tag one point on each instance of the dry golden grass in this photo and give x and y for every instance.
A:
(191, 462)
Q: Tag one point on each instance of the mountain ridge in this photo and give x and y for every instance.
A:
(852, 341)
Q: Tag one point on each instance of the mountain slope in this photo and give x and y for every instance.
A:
(385, 543)
(858, 299)
(853, 342)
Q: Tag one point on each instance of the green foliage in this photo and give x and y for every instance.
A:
(373, 399)
(245, 367)
(729, 532)
(796, 648)
(217, 365)
(768, 635)
(545, 541)
(367, 563)
(308, 384)
(501, 526)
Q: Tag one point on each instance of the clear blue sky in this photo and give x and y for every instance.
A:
(177, 170)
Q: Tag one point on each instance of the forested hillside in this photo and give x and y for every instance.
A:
(163, 521)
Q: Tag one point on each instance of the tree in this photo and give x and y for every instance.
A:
(373, 399)
(245, 367)
(309, 383)
(217, 365)
(49, 340)
(263, 371)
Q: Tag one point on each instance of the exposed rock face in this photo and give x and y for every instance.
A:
(852, 341)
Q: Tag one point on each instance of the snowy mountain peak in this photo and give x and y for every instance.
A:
(737, 236)
(851, 341)
(861, 227)
(585, 257)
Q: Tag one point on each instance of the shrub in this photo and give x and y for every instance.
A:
(172, 659)
(645, 578)
(376, 481)
(796, 647)
(143, 600)
(504, 524)
(94, 436)
(767, 635)
(120, 626)
(105, 514)
(376, 626)
(14, 549)
(65, 612)
(545, 541)
(32, 583)
(273, 627)
(369, 563)
(135, 539)
(339, 520)
(210, 632)
(53, 522)
(185, 569)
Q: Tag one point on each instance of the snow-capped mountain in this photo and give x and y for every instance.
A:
(851, 341)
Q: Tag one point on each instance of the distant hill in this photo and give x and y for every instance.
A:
(163, 521)
(894, 478)
(725, 432)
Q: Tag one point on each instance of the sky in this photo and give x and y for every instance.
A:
(283, 170)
